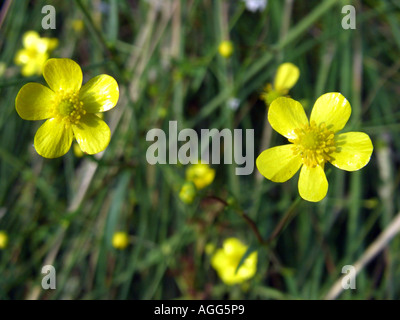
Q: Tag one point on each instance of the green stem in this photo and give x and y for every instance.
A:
(283, 223)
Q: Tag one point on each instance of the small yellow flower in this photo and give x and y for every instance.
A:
(188, 192)
(77, 150)
(285, 78)
(3, 239)
(120, 240)
(209, 248)
(225, 49)
(200, 174)
(226, 260)
(35, 53)
(69, 107)
(313, 144)
(78, 25)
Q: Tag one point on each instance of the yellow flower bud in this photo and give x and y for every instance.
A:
(120, 240)
(286, 77)
(200, 174)
(187, 193)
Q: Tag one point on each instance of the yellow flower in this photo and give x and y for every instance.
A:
(3, 239)
(285, 78)
(35, 53)
(200, 174)
(188, 192)
(209, 248)
(313, 144)
(78, 25)
(226, 260)
(77, 150)
(120, 240)
(225, 49)
(69, 108)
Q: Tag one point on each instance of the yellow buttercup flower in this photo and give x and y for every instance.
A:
(226, 260)
(285, 79)
(200, 174)
(225, 49)
(188, 192)
(69, 107)
(313, 144)
(120, 240)
(3, 239)
(35, 53)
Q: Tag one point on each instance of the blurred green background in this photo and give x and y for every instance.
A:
(164, 55)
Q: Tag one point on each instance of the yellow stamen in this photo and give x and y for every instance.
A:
(68, 108)
(314, 143)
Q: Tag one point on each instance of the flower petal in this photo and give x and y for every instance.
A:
(278, 164)
(99, 94)
(286, 77)
(313, 185)
(353, 151)
(62, 74)
(33, 102)
(285, 115)
(53, 139)
(333, 109)
(31, 40)
(92, 134)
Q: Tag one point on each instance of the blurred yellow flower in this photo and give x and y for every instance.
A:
(226, 260)
(78, 25)
(313, 144)
(120, 240)
(209, 248)
(35, 53)
(225, 49)
(69, 108)
(285, 78)
(3, 239)
(200, 174)
(77, 150)
(188, 192)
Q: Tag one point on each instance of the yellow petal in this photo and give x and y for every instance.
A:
(200, 174)
(333, 109)
(233, 247)
(21, 57)
(92, 134)
(353, 151)
(62, 74)
(53, 139)
(52, 43)
(286, 77)
(33, 102)
(99, 94)
(313, 185)
(278, 164)
(285, 115)
(30, 39)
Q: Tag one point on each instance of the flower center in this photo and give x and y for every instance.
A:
(314, 143)
(68, 108)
